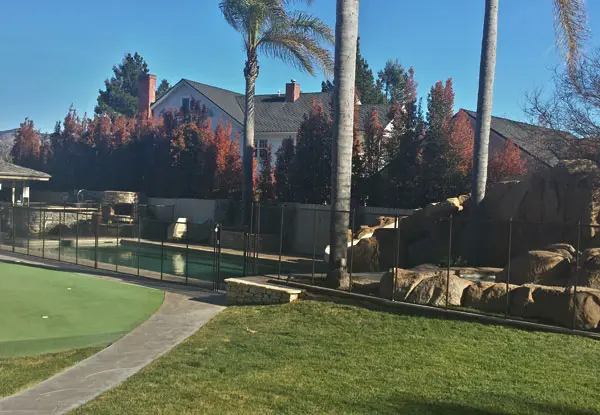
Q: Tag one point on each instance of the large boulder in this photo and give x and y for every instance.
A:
(437, 290)
(589, 271)
(539, 267)
(487, 296)
(403, 282)
(364, 255)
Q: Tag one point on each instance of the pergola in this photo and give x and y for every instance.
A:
(18, 178)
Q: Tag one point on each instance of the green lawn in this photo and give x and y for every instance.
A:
(316, 357)
(43, 311)
(18, 373)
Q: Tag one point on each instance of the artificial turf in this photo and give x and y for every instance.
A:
(46, 311)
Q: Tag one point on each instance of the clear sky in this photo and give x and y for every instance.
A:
(57, 53)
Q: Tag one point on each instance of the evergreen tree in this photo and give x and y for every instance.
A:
(311, 169)
(393, 79)
(266, 187)
(373, 144)
(369, 90)
(327, 86)
(121, 91)
(283, 171)
(163, 87)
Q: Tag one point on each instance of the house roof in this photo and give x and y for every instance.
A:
(273, 113)
(224, 98)
(13, 171)
(544, 144)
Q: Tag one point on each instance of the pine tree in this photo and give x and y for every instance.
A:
(266, 187)
(373, 143)
(283, 171)
(163, 87)
(121, 91)
(369, 90)
(327, 86)
(393, 80)
(311, 170)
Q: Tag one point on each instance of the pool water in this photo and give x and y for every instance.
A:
(195, 264)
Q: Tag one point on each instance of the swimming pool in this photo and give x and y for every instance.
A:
(177, 261)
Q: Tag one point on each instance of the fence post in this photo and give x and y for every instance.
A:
(576, 275)
(118, 250)
(510, 230)
(28, 229)
(44, 235)
(245, 256)
(162, 254)
(139, 232)
(395, 264)
(314, 253)
(185, 269)
(351, 246)
(77, 237)
(218, 238)
(251, 236)
(61, 219)
(449, 259)
(257, 239)
(97, 227)
(280, 242)
(14, 227)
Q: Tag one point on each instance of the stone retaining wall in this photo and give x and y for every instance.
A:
(240, 292)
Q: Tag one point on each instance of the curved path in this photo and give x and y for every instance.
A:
(182, 313)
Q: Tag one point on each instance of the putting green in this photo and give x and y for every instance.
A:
(43, 311)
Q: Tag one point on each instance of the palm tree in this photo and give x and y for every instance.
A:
(270, 28)
(346, 36)
(570, 26)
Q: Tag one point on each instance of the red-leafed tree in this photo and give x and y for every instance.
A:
(266, 186)
(230, 178)
(27, 144)
(373, 144)
(507, 163)
(462, 139)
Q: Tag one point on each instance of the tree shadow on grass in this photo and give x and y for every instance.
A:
(484, 404)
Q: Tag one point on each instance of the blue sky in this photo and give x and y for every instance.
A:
(58, 53)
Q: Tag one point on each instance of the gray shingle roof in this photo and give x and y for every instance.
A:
(13, 170)
(544, 144)
(274, 114)
(224, 98)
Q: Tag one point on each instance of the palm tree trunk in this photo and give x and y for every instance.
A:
(344, 75)
(250, 73)
(487, 70)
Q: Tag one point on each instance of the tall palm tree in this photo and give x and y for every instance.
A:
(571, 30)
(268, 27)
(346, 36)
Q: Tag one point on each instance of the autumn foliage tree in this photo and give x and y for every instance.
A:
(507, 163)
(27, 145)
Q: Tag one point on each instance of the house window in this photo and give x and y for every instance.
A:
(185, 104)
(261, 149)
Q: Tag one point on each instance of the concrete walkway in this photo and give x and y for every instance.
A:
(184, 311)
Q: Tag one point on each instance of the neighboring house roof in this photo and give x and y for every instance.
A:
(13, 171)
(223, 98)
(544, 144)
(272, 113)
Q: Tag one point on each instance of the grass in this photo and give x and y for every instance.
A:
(21, 372)
(316, 357)
(44, 311)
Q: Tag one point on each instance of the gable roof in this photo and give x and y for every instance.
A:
(223, 98)
(544, 144)
(18, 172)
(272, 113)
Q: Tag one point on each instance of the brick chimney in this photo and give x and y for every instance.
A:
(146, 93)
(292, 91)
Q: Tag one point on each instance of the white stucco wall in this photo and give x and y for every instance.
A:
(184, 90)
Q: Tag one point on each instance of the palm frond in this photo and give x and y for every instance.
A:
(298, 50)
(570, 23)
